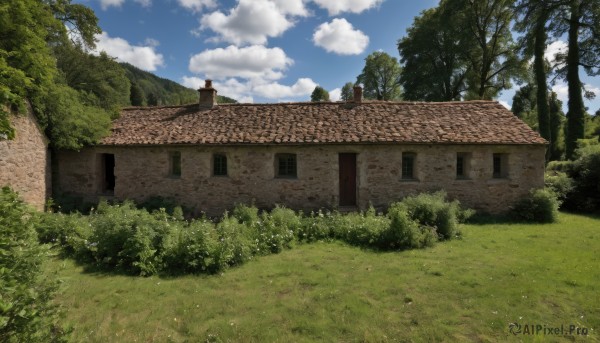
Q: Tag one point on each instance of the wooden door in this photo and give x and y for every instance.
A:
(347, 164)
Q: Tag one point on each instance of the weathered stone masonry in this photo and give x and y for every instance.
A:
(25, 161)
(143, 171)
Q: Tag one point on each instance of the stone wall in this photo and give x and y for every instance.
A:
(25, 161)
(142, 172)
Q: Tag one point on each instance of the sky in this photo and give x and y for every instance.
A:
(265, 50)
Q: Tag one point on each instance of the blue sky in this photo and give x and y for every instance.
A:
(263, 50)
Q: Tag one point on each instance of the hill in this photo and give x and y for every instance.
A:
(149, 89)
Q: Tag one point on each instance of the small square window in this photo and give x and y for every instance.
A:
(500, 166)
(286, 165)
(175, 164)
(408, 165)
(462, 165)
(219, 165)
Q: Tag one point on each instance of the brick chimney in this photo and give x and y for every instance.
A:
(208, 96)
(358, 93)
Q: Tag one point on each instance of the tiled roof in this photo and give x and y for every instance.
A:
(472, 122)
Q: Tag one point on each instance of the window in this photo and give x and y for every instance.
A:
(219, 165)
(408, 165)
(175, 164)
(286, 165)
(500, 166)
(463, 161)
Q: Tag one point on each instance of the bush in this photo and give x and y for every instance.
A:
(156, 203)
(540, 206)
(190, 249)
(237, 243)
(404, 232)
(26, 310)
(586, 176)
(128, 238)
(432, 210)
(70, 232)
(317, 226)
(559, 183)
(362, 229)
(560, 166)
(276, 229)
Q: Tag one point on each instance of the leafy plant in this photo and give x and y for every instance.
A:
(27, 313)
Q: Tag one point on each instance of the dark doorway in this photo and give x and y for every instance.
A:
(347, 164)
(108, 171)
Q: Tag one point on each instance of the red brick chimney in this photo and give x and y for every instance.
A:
(358, 93)
(208, 96)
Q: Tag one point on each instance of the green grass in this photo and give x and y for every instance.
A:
(461, 290)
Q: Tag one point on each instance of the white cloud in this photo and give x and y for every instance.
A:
(340, 37)
(252, 62)
(274, 90)
(251, 21)
(151, 42)
(335, 95)
(505, 104)
(197, 5)
(562, 91)
(143, 57)
(555, 47)
(244, 91)
(104, 4)
(292, 7)
(335, 7)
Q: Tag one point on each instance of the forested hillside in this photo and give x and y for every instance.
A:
(149, 89)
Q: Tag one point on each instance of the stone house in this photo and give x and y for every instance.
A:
(209, 157)
(25, 160)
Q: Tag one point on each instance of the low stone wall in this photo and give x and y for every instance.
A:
(142, 172)
(25, 161)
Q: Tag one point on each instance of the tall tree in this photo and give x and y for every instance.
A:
(432, 56)
(136, 95)
(493, 60)
(581, 22)
(347, 93)
(319, 94)
(381, 77)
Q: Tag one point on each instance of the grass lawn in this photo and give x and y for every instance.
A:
(462, 290)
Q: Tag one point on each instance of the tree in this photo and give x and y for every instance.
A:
(136, 95)
(432, 56)
(580, 20)
(31, 31)
(492, 57)
(533, 17)
(319, 94)
(380, 77)
(347, 93)
(152, 100)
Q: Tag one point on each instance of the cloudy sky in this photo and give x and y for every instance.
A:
(263, 50)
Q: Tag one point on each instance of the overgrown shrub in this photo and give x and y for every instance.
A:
(70, 232)
(405, 232)
(586, 176)
(191, 248)
(560, 166)
(317, 226)
(27, 313)
(541, 206)
(128, 238)
(156, 203)
(433, 210)
(559, 183)
(236, 243)
(276, 229)
(362, 229)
